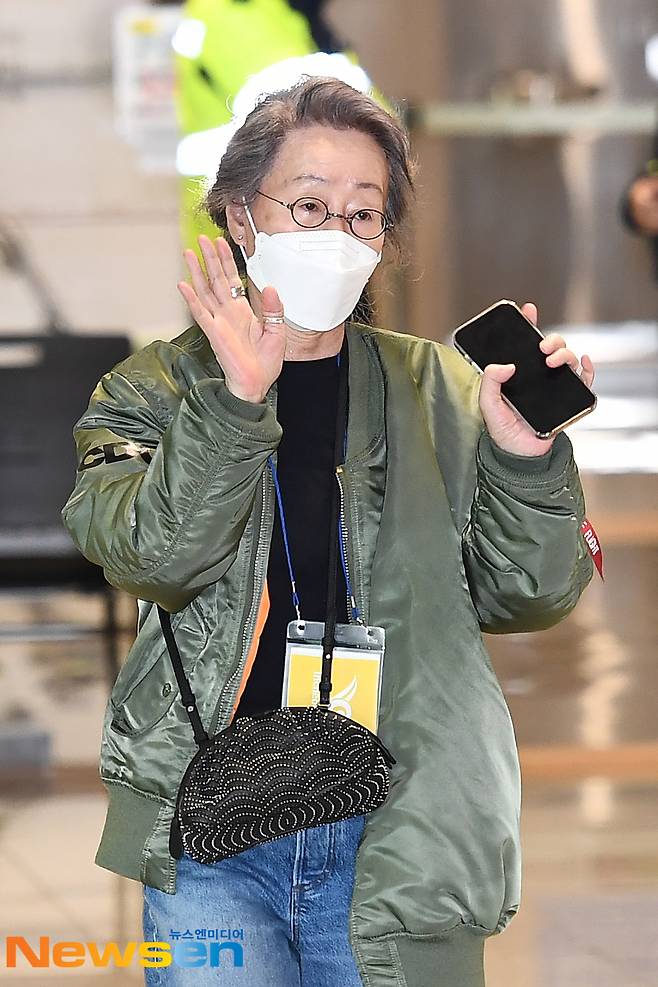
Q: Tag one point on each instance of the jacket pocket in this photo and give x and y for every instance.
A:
(146, 695)
(148, 702)
(148, 647)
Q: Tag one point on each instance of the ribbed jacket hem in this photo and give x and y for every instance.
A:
(453, 959)
(134, 837)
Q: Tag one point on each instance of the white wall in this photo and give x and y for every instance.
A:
(102, 234)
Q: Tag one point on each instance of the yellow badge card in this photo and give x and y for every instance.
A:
(356, 671)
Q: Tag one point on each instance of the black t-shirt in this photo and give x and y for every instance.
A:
(307, 395)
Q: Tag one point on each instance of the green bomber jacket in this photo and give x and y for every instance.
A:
(447, 536)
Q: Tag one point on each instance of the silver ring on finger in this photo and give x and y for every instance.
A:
(237, 291)
(578, 369)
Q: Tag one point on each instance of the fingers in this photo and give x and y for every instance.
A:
(552, 342)
(530, 312)
(589, 373)
(227, 261)
(558, 353)
(499, 373)
(200, 282)
(198, 311)
(220, 266)
(271, 308)
(562, 356)
(213, 287)
(214, 271)
(494, 375)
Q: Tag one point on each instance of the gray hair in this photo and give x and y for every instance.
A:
(250, 152)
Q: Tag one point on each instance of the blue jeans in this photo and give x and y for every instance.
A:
(291, 897)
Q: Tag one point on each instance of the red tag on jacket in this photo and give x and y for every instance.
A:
(593, 544)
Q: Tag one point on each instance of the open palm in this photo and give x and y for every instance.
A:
(249, 351)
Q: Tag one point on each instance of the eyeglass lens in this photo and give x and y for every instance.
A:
(364, 223)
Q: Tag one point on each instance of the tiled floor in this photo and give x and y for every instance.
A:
(50, 824)
(583, 700)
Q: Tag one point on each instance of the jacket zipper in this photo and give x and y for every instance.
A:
(225, 706)
(351, 600)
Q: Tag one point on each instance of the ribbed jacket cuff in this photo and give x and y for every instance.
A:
(215, 395)
(509, 466)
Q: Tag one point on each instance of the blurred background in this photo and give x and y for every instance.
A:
(535, 125)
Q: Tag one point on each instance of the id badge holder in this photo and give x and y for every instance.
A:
(356, 669)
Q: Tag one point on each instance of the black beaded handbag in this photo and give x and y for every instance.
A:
(288, 769)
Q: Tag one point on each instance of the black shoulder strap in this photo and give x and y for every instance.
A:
(328, 640)
(188, 698)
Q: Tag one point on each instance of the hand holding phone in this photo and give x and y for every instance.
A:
(529, 389)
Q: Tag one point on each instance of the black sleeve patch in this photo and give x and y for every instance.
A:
(115, 452)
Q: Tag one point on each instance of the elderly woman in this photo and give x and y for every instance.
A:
(456, 519)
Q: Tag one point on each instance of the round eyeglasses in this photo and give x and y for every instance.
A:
(309, 212)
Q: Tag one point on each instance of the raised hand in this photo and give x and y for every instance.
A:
(505, 427)
(249, 351)
(643, 202)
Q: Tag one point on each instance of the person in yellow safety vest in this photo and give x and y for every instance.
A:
(222, 43)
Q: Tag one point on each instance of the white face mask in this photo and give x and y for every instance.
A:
(319, 274)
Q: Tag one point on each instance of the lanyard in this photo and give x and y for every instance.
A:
(328, 641)
(284, 530)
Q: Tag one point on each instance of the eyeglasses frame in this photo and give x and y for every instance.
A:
(330, 215)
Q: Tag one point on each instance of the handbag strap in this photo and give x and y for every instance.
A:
(187, 696)
(328, 640)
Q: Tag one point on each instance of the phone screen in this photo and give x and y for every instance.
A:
(546, 397)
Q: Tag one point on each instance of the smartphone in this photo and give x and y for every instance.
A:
(547, 398)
